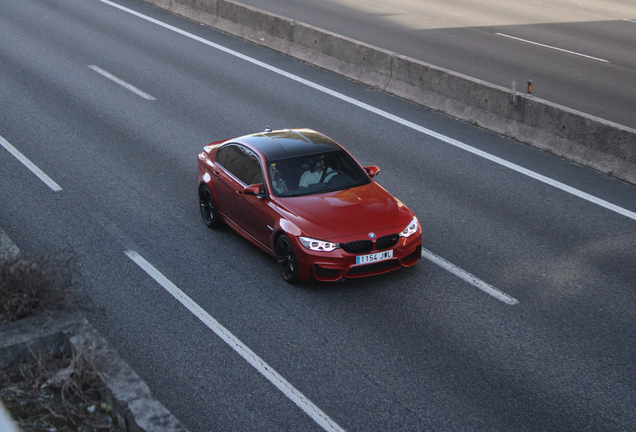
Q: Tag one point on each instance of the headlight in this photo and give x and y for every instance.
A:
(318, 245)
(411, 229)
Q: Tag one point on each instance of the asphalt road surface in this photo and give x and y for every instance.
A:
(526, 322)
(578, 53)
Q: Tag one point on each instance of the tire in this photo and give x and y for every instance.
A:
(208, 208)
(287, 261)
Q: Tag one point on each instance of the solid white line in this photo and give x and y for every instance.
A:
(121, 82)
(554, 48)
(632, 21)
(396, 119)
(474, 281)
(30, 165)
(281, 383)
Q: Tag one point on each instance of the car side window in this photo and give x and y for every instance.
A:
(221, 155)
(253, 173)
(234, 161)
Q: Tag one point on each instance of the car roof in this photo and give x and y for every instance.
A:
(287, 143)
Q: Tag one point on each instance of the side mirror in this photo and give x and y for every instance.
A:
(257, 190)
(372, 171)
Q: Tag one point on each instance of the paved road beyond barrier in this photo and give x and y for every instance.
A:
(585, 139)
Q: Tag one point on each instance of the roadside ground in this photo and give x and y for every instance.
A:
(56, 372)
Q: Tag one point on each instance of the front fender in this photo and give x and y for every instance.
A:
(289, 228)
(293, 232)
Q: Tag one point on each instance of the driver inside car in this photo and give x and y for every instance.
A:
(317, 174)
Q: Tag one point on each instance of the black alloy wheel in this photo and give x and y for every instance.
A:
(286, 257)
(208, 208)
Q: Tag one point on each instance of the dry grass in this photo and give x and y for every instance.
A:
(30, 287)
(56, 390)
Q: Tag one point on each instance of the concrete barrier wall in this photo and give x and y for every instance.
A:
(588, 140)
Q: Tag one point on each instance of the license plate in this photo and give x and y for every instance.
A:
(371, 258)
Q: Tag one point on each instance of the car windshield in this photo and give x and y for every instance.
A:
(315, 174)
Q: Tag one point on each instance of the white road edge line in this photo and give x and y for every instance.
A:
(396, 119)
(30, 165)
(632, 21)
(467, 277)
(281, 383)
(121, 82)
(553, 48)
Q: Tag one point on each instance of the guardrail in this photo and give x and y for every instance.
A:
(600, 144)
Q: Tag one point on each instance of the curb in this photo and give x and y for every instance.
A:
(133, 407)
(588, 140)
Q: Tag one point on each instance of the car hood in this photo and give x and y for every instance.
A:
(339, 214)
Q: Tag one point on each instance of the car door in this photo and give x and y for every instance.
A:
(256, 215)
(229, 187)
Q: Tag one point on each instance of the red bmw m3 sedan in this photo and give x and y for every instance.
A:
(303, 199)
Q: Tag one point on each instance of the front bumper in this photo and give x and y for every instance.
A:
(338, 264)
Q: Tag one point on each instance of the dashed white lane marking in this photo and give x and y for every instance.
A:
(121, 82)
(396, 119)
(274, 377)
(553, 48)
(474, 281)
(30, 165)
